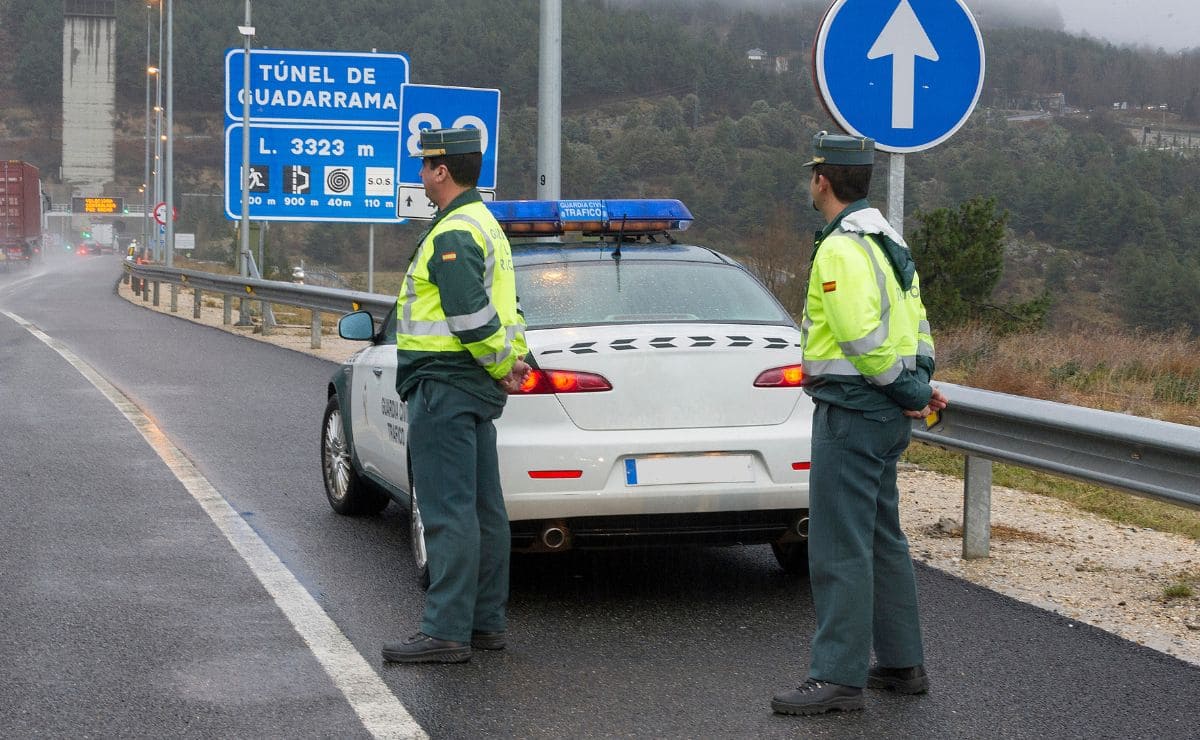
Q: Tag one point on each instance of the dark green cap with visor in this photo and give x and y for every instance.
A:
(841, 149)
(445, 142)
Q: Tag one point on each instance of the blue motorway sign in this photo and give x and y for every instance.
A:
(325, 87)
(433, 106)
(906, 73)
(314, 173)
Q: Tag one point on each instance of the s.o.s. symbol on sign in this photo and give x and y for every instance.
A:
(339, 180)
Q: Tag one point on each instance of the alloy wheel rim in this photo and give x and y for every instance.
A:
(337, 458)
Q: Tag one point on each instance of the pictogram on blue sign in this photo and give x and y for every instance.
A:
(906, 73)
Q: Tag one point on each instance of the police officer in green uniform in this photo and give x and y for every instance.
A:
(460, 344)
(868, 360)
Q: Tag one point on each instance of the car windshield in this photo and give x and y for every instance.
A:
(643, 291)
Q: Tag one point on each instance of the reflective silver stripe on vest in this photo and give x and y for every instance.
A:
(872, 341)
(845, 367)
(412, 328)
(923, 327)
(476, 320)
(925, 349)
(510, 333)
(887, 377)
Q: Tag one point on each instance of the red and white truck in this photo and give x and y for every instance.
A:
(20, 213)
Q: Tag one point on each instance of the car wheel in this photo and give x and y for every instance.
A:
(792, 556)
(347, 491)
(416, 537)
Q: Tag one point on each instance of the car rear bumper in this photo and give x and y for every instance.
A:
(597, 462)
(647, 530)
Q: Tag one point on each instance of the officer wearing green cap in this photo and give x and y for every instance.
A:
(460, 342)
(868, 360)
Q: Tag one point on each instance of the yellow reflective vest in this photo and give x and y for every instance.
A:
(866, 340)
(457, 316)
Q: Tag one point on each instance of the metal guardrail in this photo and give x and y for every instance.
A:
(315, 298)
(1146, 457)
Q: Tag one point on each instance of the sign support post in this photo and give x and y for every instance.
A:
(895, 214)
(244, 246)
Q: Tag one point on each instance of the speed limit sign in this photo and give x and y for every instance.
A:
(160, 213)
(434, 106)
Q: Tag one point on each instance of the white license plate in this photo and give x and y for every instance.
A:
(676, 469)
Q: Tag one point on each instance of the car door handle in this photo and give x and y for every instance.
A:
(378, 371)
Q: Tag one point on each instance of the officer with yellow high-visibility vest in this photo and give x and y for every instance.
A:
(868, 360)
(460, 346)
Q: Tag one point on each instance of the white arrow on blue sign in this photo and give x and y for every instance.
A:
(906, 73)
(434, 106)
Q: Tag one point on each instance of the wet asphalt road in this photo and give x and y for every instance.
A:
(127, 614)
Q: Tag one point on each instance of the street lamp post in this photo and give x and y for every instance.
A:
(146, 175)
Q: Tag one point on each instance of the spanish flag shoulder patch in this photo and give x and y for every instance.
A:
(449, 256)
(829, 287)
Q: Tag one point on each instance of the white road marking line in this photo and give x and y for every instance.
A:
(380, 711)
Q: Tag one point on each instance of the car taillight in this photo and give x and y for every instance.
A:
(789, 376)
(562, 381)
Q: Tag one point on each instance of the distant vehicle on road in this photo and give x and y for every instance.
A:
(665, 404)
(21, 218)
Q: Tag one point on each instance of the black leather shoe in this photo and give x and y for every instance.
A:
(421, 648)
(901, 680)
(818, 697)
(488, 640)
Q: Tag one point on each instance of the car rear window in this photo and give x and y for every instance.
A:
(575, 293)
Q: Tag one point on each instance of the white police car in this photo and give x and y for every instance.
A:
(665, 405)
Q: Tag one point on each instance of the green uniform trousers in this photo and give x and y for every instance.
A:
(456, 474)
(863, 587)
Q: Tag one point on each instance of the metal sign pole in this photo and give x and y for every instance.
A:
(896, 192)
(247, 31)
(371, 258)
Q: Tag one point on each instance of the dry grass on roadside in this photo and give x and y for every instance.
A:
(1155, 376)
(1150, 375)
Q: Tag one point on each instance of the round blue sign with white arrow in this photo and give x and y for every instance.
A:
(906, 73)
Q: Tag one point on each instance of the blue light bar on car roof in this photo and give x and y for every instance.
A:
(550, 217)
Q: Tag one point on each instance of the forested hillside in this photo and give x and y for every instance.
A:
(659, 99)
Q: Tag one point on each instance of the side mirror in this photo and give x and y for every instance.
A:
(358, 326)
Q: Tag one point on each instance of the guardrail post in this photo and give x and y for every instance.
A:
(157, 288)
(145, 290)
(196, 295)
(174, 298)
(977, 508)
(268, 317)
(316, 330)
(227, 308)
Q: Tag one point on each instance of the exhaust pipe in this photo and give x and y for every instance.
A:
(554, 536)
(801, 528)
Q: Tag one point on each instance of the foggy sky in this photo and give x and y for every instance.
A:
(1171, 24)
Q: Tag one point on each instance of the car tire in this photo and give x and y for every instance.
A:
(416, 535)
(348, 493)
(792, 556)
